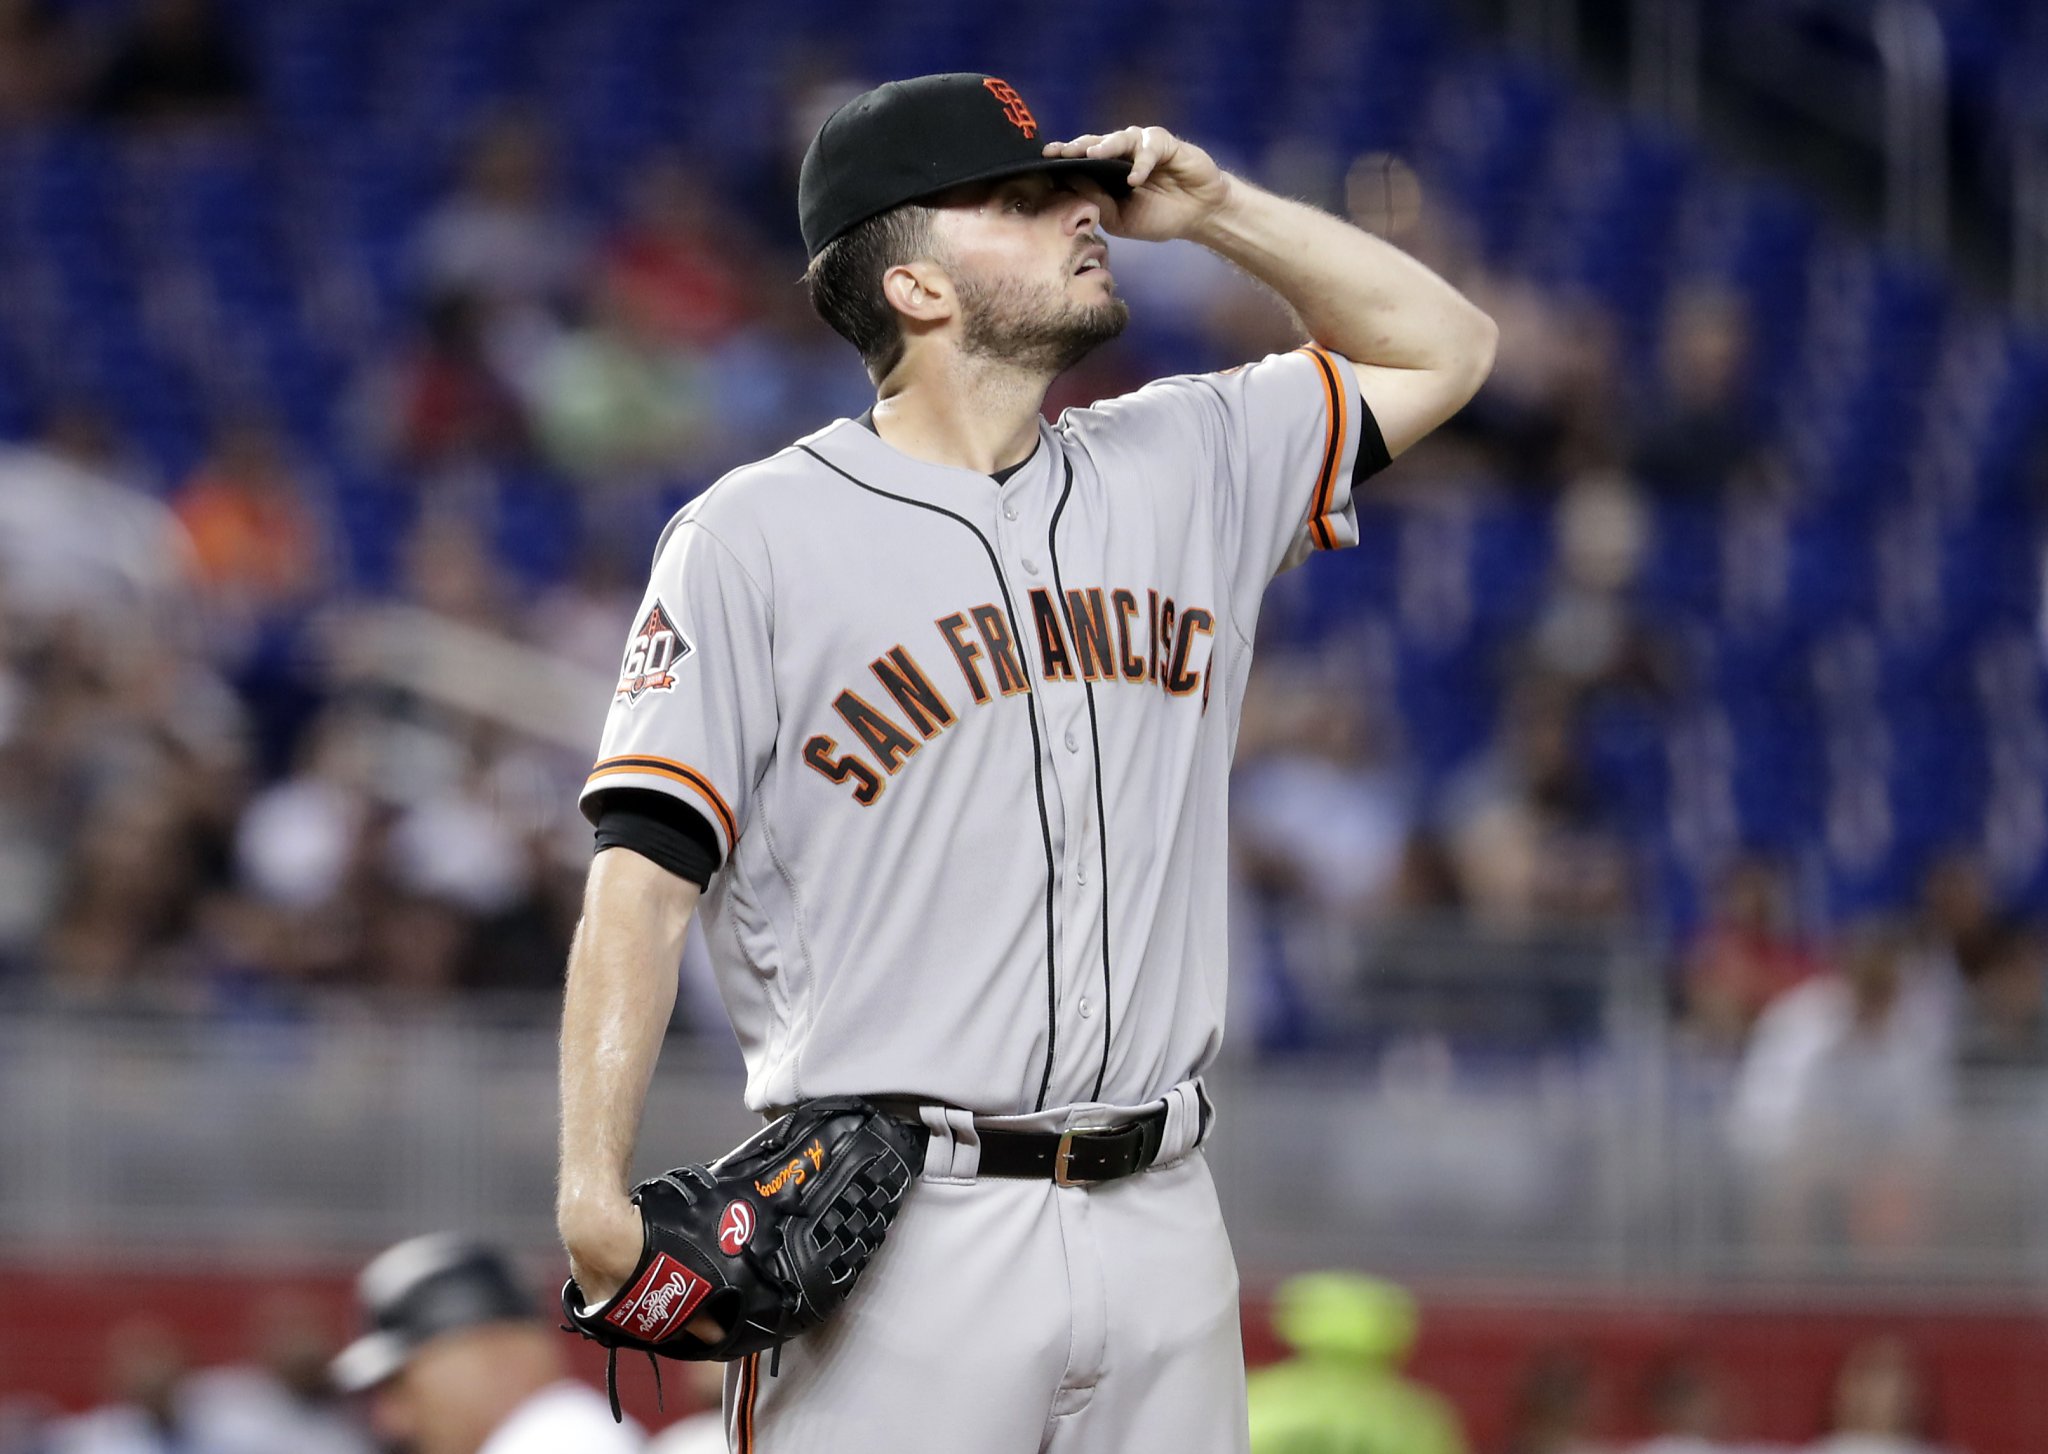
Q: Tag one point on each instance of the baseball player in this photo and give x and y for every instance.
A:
(932, 712)
(455, 1360)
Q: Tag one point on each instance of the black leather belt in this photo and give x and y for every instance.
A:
(1074, 1158)
(1071, 1158)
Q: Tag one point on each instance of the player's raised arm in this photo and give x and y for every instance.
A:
(1422, 349)
(622, 988)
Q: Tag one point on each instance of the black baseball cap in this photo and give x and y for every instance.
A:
(419, 1290)
(908, 139)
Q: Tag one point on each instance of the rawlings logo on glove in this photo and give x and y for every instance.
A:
(766, 1241)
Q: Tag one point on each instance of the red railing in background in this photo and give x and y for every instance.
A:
(1776, 1360)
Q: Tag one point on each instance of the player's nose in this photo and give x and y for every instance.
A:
(1084, 215)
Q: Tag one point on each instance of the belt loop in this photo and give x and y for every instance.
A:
(1184, 1122)
(954, 1152)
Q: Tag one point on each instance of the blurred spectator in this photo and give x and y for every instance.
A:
(1880, 1404)
(1322, 810)
(1343, 1389)
(77, 538)
(1957, 906)
(614, 399)
(456, 1360)
(1841, 1103)
(296, 843)
(256, 543)
(284, 1402)
(1553, 1410)
(1700, 437)
(1547, 413)
(1533, 840)
(144, 1413)
(451, 570)
(679, 268)
(1744, 957)
(1687, 1412)
(40, 68)
(133, 884)
(443, 404)
(505, 239)
(1589, 636)
(2005, 1004)
(178, 63)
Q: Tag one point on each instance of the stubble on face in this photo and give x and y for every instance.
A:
(1033, 325)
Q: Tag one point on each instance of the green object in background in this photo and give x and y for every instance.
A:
(1342, 1392)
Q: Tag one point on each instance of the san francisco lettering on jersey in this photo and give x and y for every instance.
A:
(1092, 634)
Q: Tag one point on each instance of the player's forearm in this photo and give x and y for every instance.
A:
(1358, 295)
(621, 990)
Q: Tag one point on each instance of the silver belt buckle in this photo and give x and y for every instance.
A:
(1063, 1158)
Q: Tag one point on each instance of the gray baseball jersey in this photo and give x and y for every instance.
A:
(966, 744)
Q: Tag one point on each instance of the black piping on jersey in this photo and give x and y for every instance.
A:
(1052, 545)
(1052, 1000)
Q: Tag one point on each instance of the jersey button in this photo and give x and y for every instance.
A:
(1080, 873)
(1009, 512)
(1073, 742)
(1030, 566)
(1087, 1009)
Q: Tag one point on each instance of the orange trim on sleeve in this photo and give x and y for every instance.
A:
(1336, 425)
(681, 772)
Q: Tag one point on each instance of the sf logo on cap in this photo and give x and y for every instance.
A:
(1013, 106)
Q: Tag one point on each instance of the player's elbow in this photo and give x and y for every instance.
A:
(1476, 349)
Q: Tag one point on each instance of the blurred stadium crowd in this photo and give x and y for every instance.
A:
(1713, 624)
(1344, 1376)
(1714, 619)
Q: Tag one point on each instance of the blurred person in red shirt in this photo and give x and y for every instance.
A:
(443, 404)
(678, 266)
(256, 543)
(1746, 955)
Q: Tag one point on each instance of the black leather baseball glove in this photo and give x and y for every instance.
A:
(767, 1240)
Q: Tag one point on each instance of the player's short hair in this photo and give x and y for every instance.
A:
(845, 282)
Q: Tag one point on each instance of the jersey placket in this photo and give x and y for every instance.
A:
(1024, 508)
(1070, 747)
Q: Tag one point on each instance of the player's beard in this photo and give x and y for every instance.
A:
(1036, 328)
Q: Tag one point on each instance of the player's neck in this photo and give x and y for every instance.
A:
(966, 414)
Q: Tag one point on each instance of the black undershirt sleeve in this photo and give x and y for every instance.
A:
(665, 830)
(1372, 447)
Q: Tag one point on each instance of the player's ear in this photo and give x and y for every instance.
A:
(919, 290)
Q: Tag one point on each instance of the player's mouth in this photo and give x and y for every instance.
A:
(1093, 259)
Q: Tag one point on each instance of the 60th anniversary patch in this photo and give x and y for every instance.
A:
(656, 647)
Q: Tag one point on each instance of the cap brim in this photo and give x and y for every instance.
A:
(368, 1361)
(1111, 173)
